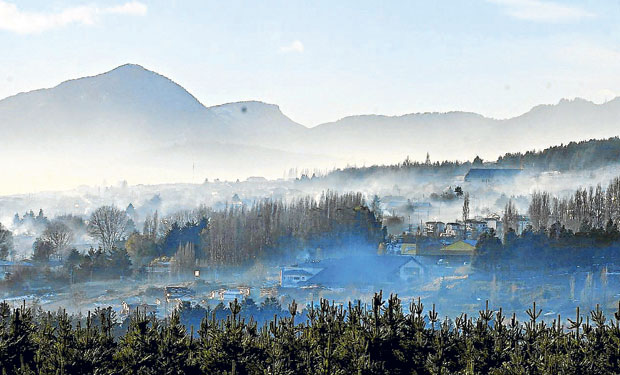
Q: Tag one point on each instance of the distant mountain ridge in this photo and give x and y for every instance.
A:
(131, 110)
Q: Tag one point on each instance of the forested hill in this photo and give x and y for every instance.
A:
(584, 155)
(574, 156)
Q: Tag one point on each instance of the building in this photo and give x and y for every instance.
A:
(461, 247)
(476, 226)
(178, 292)
(295, 275)
(228, 295)
(434, 228)
(454, 230)
(491, 175)
(292, 277)
(522, 223)
(144, 308)
(363, 270)
(494, 222)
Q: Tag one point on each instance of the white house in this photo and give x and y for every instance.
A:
(434, 228)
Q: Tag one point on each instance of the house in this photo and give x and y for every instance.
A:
(454, 230)
(144, 308)
(522, 223)
(476, 226)
(178, 292)
(231, 295)
(434, 228)
(228, 295)
(411, 270)
(293, 276)
(461, 247)
(365, 270)
(494, 222)
(491, 175)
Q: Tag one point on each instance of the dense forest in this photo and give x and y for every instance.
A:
(237, 235)
(574, 156)
(327, 339)
(267, 229)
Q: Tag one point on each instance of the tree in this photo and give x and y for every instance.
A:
(107, 225)
(375, 206)
(141, 248)
(6, 242)
(119, 262)
(511, 217)
(466, 207)
(185, 257)
(42, 250)
(540, 210)
(458, 191)
(58, 235)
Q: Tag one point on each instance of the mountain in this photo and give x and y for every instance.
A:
(121, 125)
(132, 122)
(463, 135)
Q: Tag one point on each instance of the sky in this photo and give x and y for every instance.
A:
(324, 60)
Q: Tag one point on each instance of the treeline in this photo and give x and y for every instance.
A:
(542, 251)
(407, 167)
(561, 232)
(586, 209)
(573, 156)
(591, 154)
(269, 228)
(329, 339)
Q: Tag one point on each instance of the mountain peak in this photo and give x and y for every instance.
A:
(131, 69)
(130, 66)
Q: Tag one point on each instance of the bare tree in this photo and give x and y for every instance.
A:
(58, 235)
(107, 224)
(540, 210)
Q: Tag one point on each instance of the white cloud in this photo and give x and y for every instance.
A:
(296, 46)
(24, 22)
(543, 11)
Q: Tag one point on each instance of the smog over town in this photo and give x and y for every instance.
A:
(201, 187)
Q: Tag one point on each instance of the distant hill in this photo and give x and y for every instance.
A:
(573, 157)
(462, 135)
(134, 123)
(132, 106)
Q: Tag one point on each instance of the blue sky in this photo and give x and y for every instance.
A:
(323, 60)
